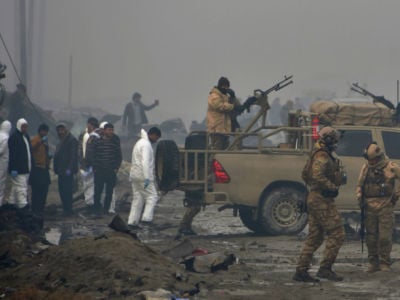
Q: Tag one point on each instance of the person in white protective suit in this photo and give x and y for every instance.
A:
(5, 128)
(142, 178)
(20, 164)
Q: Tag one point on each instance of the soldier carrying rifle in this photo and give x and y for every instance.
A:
(376, 194)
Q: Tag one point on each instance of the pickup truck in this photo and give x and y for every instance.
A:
(259, 174)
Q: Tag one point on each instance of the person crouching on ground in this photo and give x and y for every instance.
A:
(142, 177)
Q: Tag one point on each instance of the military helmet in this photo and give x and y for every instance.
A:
(329, 135)
(373, 151)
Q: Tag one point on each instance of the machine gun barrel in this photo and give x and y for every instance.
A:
(280, 85)
(380, 99)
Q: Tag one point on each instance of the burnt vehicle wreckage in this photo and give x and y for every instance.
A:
(258, 175)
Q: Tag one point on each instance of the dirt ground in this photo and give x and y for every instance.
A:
(94, 262)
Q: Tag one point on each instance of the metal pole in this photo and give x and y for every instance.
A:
(70, 88)
(22, 37)
(397, 91)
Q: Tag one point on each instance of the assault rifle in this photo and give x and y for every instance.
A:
(380, 99)
(362, 221)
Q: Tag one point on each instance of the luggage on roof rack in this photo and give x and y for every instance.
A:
(342, 113)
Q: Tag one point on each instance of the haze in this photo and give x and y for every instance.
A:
(176, 50)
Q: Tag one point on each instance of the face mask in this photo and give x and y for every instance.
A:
(223, 90)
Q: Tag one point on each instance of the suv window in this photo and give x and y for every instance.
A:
(391, 140)
(353, 142)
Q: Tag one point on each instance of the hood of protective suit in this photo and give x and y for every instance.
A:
(144, 135)
(21, 122)
(5, 127)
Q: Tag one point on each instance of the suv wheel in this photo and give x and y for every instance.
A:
(280, 212)
(246, 216)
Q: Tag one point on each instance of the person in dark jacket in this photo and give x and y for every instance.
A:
(134, 114)
(39, 178)
(20, 163)
(66, 165)
(106, 160)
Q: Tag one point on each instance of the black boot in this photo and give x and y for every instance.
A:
(327, 273)
(304, 277)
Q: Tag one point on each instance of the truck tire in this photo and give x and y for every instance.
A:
(167, 165)
(280, 213)
(246, 216)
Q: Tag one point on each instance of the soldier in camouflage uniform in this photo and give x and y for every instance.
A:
(324, 179)
(376, 190)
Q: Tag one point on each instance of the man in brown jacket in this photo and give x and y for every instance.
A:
(39, 178)
(219, 114)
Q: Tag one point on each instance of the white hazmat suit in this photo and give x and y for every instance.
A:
(142, 171)
(5, 128)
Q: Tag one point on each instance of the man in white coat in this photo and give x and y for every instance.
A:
(142, 178)
(5, 128)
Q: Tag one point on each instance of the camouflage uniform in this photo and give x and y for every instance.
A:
(323, 216)
(376, 184)
(193, 202)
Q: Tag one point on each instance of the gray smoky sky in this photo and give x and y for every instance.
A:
(176, 50)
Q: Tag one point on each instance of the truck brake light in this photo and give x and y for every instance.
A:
(221, 176)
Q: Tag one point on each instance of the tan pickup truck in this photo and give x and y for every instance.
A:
(258, 176)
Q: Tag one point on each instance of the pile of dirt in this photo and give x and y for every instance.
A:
(111, 265)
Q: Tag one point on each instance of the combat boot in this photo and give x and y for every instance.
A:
(304, 277)
(385, 267)
(327, 273)
(373, 267)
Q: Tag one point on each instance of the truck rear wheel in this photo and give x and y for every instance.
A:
(167, 165)
(246, 216)
(280, 213)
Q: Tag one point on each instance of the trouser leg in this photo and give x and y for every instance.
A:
(386, 223)
(335, 237)
(65, 185)
(313, 241)
(39, 195)
(88, 188)
(110, 183)
(371, 227)
(98, 190)
(3, 180)
(19, 190)
(137, 203)
(193, 201)
(151, 198)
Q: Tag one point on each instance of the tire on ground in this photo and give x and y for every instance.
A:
(167, 165)
(246, 216)
(280, 213)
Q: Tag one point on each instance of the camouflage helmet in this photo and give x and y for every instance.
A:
(373, 151)
(329, 135)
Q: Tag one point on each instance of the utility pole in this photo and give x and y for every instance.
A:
(22, 37)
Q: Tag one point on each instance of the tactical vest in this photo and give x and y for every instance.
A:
(377, 185)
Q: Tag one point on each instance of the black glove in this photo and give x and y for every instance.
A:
(249, 102)
(330, 193)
